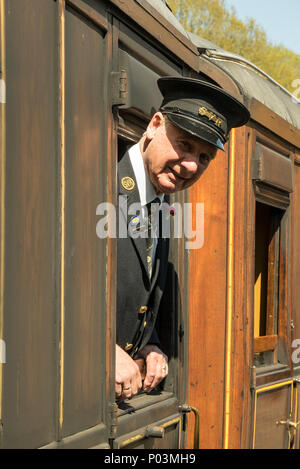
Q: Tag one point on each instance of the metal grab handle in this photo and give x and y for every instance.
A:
(154, 431)
(185, 408)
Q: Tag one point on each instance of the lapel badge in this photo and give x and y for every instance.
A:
(134, 221)
(128, 183)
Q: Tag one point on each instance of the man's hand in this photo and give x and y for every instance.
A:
(156, 366)
(128, 377)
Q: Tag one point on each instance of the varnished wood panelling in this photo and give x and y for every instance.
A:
(152, 22)
(85, 254)
(94, 11)
(237, 346)
(207, 304)
(2, 185)
(29, 379)
(269, 119)
(296, 259)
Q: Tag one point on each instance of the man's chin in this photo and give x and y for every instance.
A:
(167, 189)
(166, 186)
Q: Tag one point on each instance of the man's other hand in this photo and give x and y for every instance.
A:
(128, 377)
(156, 366)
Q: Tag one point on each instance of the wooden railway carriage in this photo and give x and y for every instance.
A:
(78, 85)
(246, 306)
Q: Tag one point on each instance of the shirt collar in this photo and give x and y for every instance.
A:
(145, 187)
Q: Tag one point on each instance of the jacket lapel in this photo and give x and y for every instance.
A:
(129, 193)
(162, 247)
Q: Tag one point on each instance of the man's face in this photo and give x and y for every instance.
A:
(173, 158)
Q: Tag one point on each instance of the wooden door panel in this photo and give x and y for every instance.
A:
(85, 271)
(29, 318)
(164, 433)
(272, 405)
(55, 266)
(295, 444)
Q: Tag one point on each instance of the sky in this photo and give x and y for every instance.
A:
(280, 19)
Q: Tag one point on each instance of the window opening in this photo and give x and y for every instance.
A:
(266, 286)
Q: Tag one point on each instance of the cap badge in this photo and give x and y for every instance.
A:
(203, 111)
(128, 183)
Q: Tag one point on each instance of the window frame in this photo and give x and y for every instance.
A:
(274, 312)
(270, 192)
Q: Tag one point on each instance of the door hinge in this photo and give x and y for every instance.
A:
(119, 88)
(181, 332)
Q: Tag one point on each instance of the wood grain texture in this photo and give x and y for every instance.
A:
(207, 304)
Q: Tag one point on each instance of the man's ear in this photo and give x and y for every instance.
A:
(154, 125)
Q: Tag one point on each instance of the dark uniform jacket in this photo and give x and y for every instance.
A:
(138, 296)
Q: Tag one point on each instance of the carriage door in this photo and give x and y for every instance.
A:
(275, 390)
(148, 420)
(53, 312)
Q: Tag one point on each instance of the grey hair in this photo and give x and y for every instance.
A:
(167, 123)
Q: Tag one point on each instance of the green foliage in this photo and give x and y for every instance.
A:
(213, 20)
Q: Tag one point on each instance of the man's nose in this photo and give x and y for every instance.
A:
(190, 165)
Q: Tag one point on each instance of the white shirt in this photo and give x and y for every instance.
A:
(145, 187)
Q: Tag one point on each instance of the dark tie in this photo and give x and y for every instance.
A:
(153, 208)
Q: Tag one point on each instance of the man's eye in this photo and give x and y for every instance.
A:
(204, 158)
(185, 145)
